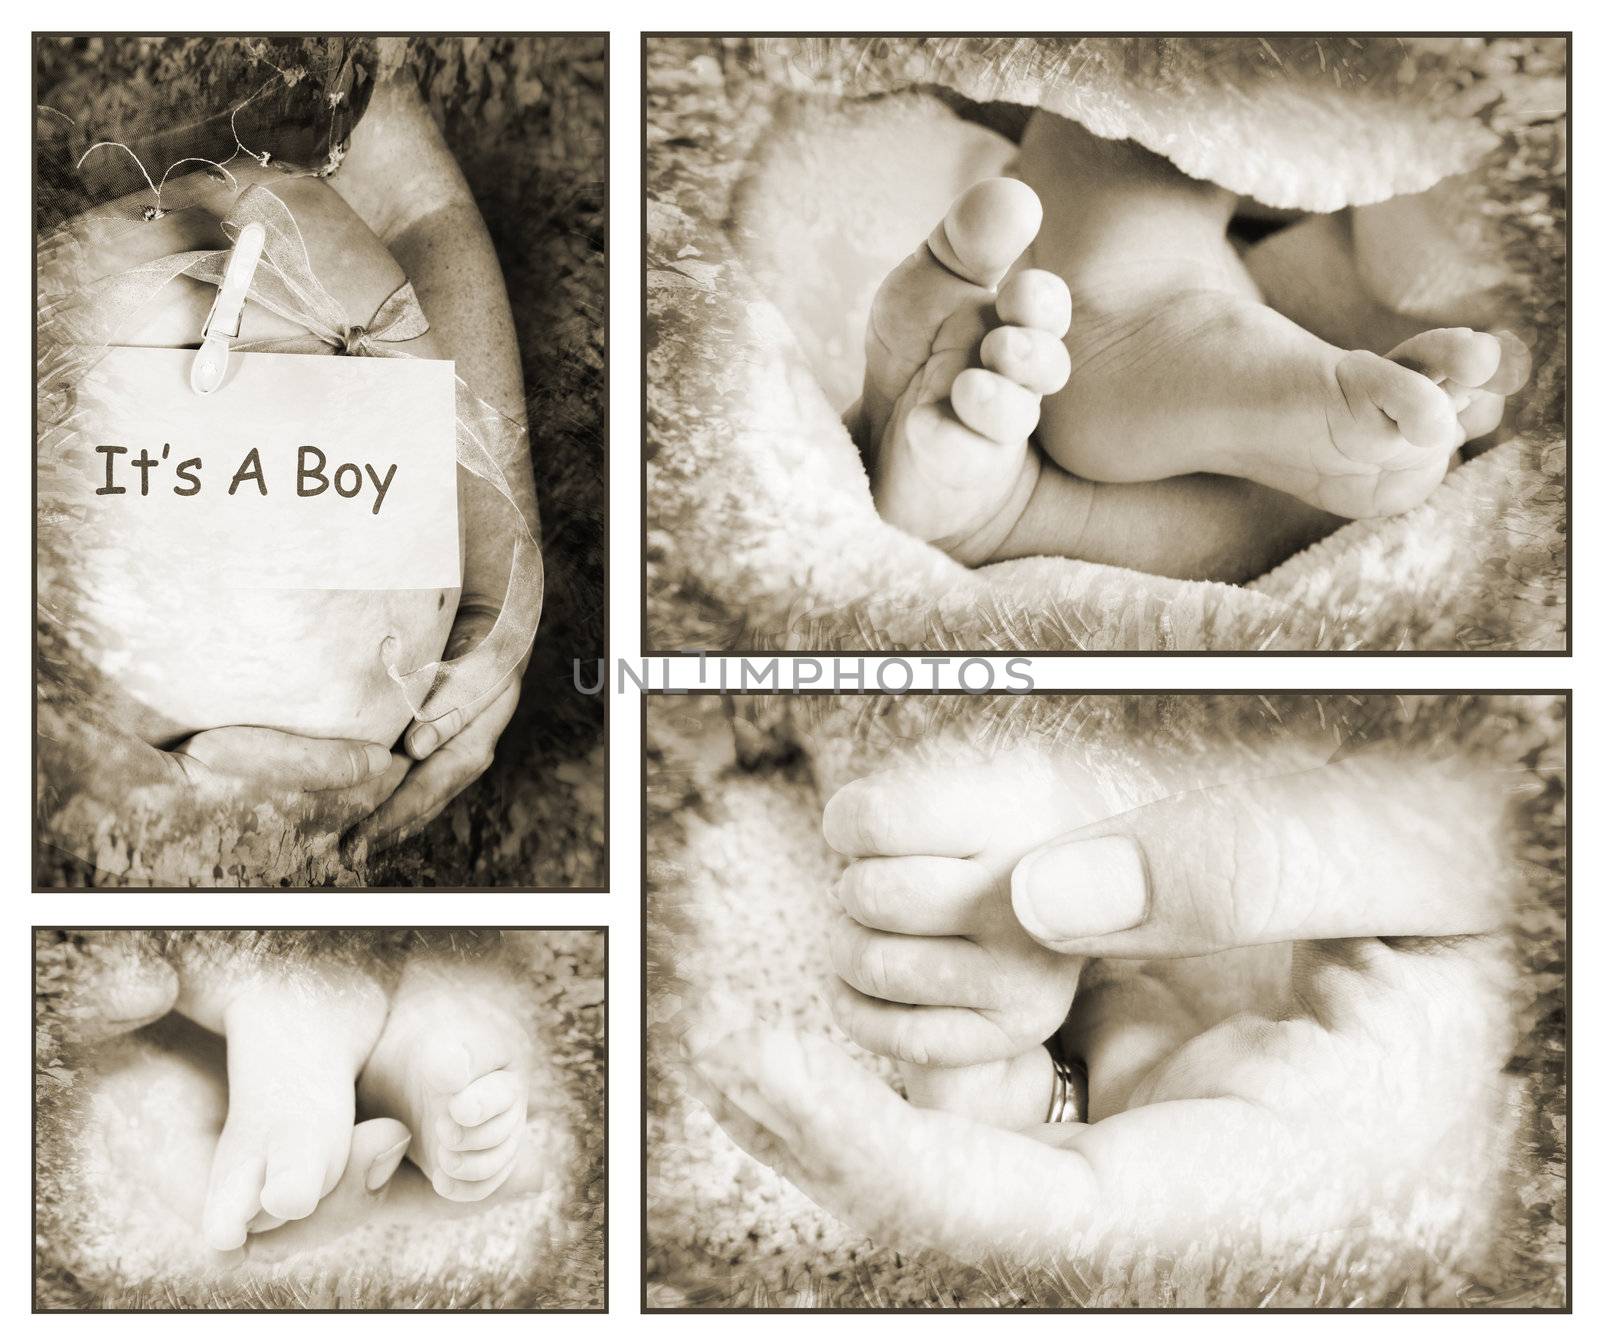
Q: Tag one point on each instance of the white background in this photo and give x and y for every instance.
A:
(621, 909)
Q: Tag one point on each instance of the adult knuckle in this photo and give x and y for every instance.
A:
(1273, 877)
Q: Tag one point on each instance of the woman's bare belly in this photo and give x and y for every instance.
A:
(174, 659)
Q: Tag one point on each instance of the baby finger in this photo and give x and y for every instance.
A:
(486, 1098)
(923, 896)
(932, 971)
(930, 1037)
(482, 1165)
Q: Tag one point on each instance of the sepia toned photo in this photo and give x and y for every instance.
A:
(1106, 344)
(968, 971)
(306, 1119)
(320, 460)
(1063, 1001)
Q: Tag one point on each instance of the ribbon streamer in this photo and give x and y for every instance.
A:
(286, 285)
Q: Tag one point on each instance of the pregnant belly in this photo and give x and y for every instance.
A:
(170, 658)
(303, 661)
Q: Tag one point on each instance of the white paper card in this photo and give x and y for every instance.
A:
(301, 471)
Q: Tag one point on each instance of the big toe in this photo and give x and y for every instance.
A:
(987, 229)
(300, 1170)
(1456, 354)
(1516, 365)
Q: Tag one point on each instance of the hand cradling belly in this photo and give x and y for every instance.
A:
(180, 625)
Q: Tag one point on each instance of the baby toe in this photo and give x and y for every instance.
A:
(1516, 365)
(485, 1098)
(491, 1133)
(1036, 298)
(1466, 357)
(987, 229)
(292, 1193)
(468, 1191)
(263, 1222)
(475, 1166)
(993, 406)
(1032, 359)
(1397, 491)
(1482, 415)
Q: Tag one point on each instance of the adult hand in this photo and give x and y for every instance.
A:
(1367, 1071)
(246, 803)
(310, 779)
(452, 751)
(402, 178)
(257, 801)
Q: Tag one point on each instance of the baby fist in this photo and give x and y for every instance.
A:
(933, 967)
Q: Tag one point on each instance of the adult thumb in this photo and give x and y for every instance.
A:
(1361, 848)
(304, 764)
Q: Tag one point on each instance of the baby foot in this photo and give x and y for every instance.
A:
(1396, 421)
(292, 1062)
(955, 373)
(452, 1066)
(1174, 382)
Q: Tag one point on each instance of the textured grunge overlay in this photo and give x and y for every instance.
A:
(777, 168)
(741, 904)
(524, 119)
(130, 1097)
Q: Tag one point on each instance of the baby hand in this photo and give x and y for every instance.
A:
(934, 968)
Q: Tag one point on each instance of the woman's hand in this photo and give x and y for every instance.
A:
(276, 799)
(451, 752)
(1364, 1074)
(402, 179)
(249, 803)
